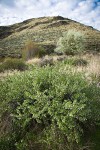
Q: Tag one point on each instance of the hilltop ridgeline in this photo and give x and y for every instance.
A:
(46, 31)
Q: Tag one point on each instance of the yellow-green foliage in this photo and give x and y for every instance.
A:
(47, 108)
(72, 42)
(31, 50)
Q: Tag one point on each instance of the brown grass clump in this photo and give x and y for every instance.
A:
(32, 50)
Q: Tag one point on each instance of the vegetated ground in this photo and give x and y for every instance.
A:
(46, 31)
(92, 66)
(87, 65)
(38, 121)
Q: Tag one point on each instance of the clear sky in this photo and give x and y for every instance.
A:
(84, 11)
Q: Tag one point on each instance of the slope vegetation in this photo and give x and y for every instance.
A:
(46, 31)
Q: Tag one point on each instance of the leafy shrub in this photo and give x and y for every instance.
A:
(54, 104)
(11, 64)
(72, 42)
(7, 143)
(31, 50)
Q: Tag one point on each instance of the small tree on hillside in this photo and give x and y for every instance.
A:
(72, 42)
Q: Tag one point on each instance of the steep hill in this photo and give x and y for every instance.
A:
(45, 31)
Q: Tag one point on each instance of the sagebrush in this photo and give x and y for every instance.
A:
(72, 42)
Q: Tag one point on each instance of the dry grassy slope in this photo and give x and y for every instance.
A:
(44, 30)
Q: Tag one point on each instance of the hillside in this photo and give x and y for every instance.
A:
(49, 102)
(45, 31)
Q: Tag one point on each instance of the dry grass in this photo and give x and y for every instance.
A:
(33, 61)
(91, 70)
(55, 58)
(8, 73)
(93, 66)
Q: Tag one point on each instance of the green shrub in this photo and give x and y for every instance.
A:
(79, 62)
(72, 42)
(75, 61)
(32, 50)
(11, 64)
(56, 105)
(68, 61)
(7, 143)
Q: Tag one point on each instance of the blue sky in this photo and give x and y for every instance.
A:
(84, 11)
